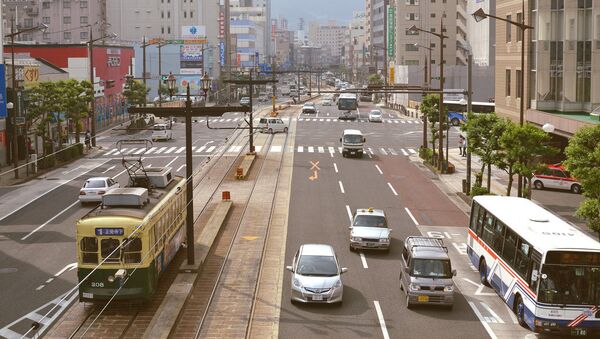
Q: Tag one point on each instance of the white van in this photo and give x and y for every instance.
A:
(352, 142)
(161, 132)
(272, 125)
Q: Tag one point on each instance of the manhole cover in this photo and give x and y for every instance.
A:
(8, 270)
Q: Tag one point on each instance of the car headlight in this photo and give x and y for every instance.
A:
(338, 284)
(414, 287)
(449, 288)
(296, 283)
(384, 240)
(356, 239)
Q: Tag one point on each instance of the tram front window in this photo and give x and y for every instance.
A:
(133, 251)
(89, 250)
(108, 249)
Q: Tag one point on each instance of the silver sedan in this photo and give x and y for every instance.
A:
(375, 116)
(316, 275)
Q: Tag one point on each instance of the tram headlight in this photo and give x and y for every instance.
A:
(119, 275)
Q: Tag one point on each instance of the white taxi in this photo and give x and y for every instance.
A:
(369, 230)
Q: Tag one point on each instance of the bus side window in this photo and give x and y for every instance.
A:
(473, 220)
(488, 229)
(510, 247)
(522, 258)
(498, 236)
(480, 220)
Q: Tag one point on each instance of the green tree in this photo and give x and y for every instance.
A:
(136, 93)
(375, 80)
(44, 100)
(583, 161)
(429, 107)
(483, 139)
(77, 97)
(508, 158)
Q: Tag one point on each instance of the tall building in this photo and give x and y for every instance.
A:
(356, 45)
(376, 29)
(561, 58)
(259, 13)
(330, 38)
(68, 20)
(481, 36)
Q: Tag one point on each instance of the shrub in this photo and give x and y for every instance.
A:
(79, 148)
(478, 190)
(46, 162)
(64, 155)
(425, 153)
(74, 152)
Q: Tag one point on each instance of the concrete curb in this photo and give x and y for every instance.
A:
(167, 313)
(245, 166)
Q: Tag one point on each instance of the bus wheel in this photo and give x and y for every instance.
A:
(519, 309)
(483, 272)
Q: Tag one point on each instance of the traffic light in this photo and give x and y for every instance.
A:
(164, 79)
(110, 83)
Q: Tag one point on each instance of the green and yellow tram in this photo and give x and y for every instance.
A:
(130, 239)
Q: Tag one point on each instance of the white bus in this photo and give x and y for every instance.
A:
(546, 270)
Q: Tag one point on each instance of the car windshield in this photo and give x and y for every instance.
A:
(375, 113)
(353, 138)
(566, 284)
(431, 268)
(316, 265)
(95, 184)
(370, 221)
(160, 128)
(309, 104)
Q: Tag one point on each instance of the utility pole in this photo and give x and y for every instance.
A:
(144, 45)
(385, 46)
(160, 45)
(228, 47)
(15, 110)
(442, 114)
(93, 109)
(469, 110)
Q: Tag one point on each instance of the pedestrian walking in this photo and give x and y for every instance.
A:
(464, 150)
(461, 144)
(88, 139)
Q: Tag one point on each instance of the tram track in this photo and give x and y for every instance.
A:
(234, 233)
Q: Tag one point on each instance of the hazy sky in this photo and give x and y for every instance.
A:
(320, 10)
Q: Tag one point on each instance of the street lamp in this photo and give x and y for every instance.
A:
(480, 15)
(205, 85)
(13, 118)
(415, 29)
(90, 44)
(171, 80)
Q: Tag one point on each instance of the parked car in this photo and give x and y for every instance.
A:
(94, 188)
(327, 102)
(375, 116)
(309, 107)
(316, 275)
(162, 132)
(273, 125)
(369, 230)
(556, 176)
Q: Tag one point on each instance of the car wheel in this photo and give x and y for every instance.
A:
(519, 309)
(270, 131)
(409, 305)
(576, 189)
(455, 122)
(343, 155)
(352, 249)
(483, 272)
(285, 130)
(538, 185)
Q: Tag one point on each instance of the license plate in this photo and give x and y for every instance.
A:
(579, 331)
(423, 298)
(370, 244)
(352, 152)
(88, 295)
(317, 297)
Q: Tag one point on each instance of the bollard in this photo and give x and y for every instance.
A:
(226, 196)
(240, 172)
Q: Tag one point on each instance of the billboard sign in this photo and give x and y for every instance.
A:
(391, 30)
(2, 92)
(193, 32)
(190, 58)
(222, 53)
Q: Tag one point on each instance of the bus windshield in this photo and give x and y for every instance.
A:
(347, 104)
(566, 284)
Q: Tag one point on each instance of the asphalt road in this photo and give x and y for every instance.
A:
(319, 214)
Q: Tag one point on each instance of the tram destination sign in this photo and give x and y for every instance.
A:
(109, 231)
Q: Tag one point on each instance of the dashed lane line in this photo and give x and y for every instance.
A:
(392, 188)
(341, 187)
(384, 330)
(379, 169)
(363, 260)
(411, 216)
(349, 212)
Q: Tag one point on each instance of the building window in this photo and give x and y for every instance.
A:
(518, 81)
(432, 15)
(519, 19)
(46, 5)
(162, 30)
(185, 14)
(46, 36)
(83, 35)
(409, 32)
(411, 48)
(507, 88)
(28, 22)
(66, 3)
(67, 35)
(162, 14)
(508, 29)
(83, 4)
(66, 20)
(191, 14)
(46, 20)
(169, 30)
(557, 4)
(168, 14)
(83, 20)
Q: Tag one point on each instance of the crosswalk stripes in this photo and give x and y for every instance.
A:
(181, 149)
(385, 121)
(412, 151)
(210, 149)
(321, 150)
(300, 149)
(392, 151)
(199, 150)
(311, 149)
(404, 152)
(170, 150)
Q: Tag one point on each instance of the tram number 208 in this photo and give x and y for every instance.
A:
(97, 284)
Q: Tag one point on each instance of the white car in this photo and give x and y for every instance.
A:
(369, 230)
(375, 116)
(273, 125)
(327, 102)
(94, 188)
(316, 275)
(161, 132)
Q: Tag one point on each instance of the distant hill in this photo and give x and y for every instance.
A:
(319, 10)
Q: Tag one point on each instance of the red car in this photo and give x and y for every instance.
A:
(557, 177)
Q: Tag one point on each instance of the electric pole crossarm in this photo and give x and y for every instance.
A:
(209, 111)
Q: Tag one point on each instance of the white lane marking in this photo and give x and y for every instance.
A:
(392, 151)
(300, 149)
(152, 149)
(172, 161)
(328, 120)
(52, 189)
(72, 170)
(379, 169)
(321, 149)
(181, 149)
(395, 121)
(49, 220)
(364, 260)
(331, 149)
(170, 150)
(335, 167)
(141, 150)
(411, 216)
(69, 267)
(40, 287)
(340, 149)
(180, 167)
(370, 150)
(210, 149)
(412, 151)
(257, 149)
(461, 249)
(490, 311)
(311, 149)
(160, 150)
(199, 150)
(276, 149)
(403, 121)
(341, 187)
(392, 188)
(108, 169)
(111, 151)
(382, 150)
(482, 320)
(349, 212)
(410, 121)
(228, 120)
(384, 330)
(403, 151)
